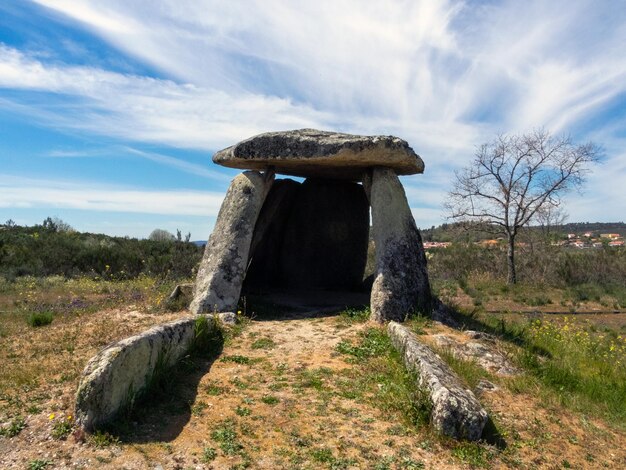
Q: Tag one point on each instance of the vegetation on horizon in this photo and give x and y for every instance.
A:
(54, 248)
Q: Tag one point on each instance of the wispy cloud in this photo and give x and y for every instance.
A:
(19, 192)
(146, 109)
(91, 153)
(446, 75)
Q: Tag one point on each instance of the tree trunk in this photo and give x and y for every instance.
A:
(512, 278)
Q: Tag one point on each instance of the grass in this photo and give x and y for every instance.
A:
(101, 439)
(568, 362)
(270, 400)
(14, 428)
(263, 343)
(226, 436)
(208, 454)
(39, 464)
(237, 359)
(473, 454)
(62, 428)
(37, 319)
(355, 315)
(380, 379)
(208, 339)
(586, 370)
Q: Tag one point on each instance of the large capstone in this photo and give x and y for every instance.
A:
(400, 281)
(223, 267)
(314, 153)
(311, 236)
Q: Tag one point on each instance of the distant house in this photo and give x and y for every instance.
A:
(616, 243)
(588, 234)
(578, 244)
(571, 236)
(610, 236)
(428, 245)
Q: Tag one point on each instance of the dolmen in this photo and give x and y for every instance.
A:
(313, 235)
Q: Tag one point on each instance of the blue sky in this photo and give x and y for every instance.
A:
(110, 111)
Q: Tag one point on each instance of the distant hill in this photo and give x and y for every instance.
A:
(599, 227)
(456, 232)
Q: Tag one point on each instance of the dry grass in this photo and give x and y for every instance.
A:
(313, 393)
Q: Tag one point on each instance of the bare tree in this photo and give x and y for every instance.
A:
(549, 218)
(515, 178)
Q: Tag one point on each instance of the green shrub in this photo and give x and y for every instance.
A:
(37, 319)
(208, 337)
(14, 428)
(38, 464)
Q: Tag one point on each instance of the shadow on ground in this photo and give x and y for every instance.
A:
(291, 305)
(164, 411)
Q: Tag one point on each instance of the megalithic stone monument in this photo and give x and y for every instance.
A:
(314, 235)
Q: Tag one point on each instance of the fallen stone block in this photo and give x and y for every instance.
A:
(120, 373)
(455, 410)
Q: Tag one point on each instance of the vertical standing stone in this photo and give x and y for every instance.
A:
(401, 280)
(223, 267)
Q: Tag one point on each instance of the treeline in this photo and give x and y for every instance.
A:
(54, 248)
(472, 232)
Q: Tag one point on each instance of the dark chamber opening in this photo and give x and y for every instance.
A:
(310, 243)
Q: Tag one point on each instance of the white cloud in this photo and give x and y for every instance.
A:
(146, 109)
(443, 74)
(18, 192)
(426, 70)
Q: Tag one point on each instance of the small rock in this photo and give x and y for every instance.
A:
(486, 386)
(480, 335)
(227, 318)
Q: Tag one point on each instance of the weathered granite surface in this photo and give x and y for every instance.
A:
(483, 350)
(310, 152)
(223, 267)
(401, 280)
(456, 412)
(117, 375)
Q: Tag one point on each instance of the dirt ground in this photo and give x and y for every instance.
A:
(268, 402)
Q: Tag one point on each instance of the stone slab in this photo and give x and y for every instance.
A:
(118, 374)
(314, 153)
(455, 410)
